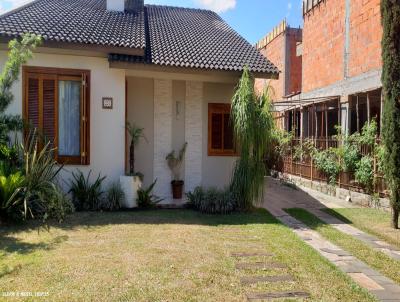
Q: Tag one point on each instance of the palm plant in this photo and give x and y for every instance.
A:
(135, 133)
(253, 125)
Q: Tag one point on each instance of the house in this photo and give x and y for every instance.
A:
(339, 59)
(103, 63)
(331, 75)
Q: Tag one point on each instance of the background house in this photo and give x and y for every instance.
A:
(337, 57)
(338, 54)
(105, 63)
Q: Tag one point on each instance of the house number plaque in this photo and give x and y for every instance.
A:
(107, 103)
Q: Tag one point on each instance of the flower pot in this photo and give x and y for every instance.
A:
(177, 189)
(130, 185)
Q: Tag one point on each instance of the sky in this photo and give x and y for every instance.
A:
(253, 19)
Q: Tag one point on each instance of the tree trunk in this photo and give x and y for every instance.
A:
(132, 159)
(395, 217)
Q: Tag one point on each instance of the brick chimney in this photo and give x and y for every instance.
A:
(134, 5)
(125, 5)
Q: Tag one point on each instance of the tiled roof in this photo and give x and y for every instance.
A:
(171, 36)
(79, 21)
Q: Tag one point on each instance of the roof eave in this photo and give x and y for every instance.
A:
(104, 49)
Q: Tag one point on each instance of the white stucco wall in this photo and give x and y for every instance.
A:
(216, 170)
(107, 138)
(141, 112)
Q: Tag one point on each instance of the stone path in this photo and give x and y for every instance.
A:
(258, 265)
(373, 242)
(280, 197)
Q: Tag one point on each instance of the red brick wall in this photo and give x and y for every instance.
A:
(295, 69)
(323, 45)
(274, 52)
(365, 36)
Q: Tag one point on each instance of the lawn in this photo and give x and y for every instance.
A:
(161, 256)
(376, 259)
(373, 221)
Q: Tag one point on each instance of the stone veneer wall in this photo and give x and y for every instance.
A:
(162, 136)
(193, 134)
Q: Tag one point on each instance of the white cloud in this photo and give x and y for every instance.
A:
(218, 6)
(7, 5)
(289, 6)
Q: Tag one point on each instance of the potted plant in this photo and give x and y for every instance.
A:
(175, 164)
(132, 182)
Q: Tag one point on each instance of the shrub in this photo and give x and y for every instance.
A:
(86, 196)
(114, 198)
(327, 162)
(146, 199)
(365, 173)
(212, 201)
(33, 192)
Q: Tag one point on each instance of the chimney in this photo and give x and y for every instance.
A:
(125, 5)
(134, 5)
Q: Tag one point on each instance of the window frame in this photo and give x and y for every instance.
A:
(222, 108)
(59, 74)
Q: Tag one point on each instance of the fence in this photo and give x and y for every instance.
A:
(306, 168)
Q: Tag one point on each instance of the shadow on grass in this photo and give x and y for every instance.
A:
(339, 216)
(306, 217)
(150, 217)
(9, 244)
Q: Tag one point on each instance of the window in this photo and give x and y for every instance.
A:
(56, 102)
(220, 131)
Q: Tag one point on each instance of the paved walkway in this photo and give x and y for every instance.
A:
(279, 197)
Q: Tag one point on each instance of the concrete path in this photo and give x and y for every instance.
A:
(279, 197)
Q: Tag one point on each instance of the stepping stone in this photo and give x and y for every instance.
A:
(340, 253)
(260, 265)
(365, 282)
(251, 254)
(259, 279)
(280, 295)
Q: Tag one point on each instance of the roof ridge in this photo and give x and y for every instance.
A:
(182, 7)
(19, 8)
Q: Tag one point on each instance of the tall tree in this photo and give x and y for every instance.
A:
(20, 51)
(253, 124)
(390, 10)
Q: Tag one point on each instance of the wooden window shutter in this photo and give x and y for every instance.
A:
(48, 107)
(32, 101)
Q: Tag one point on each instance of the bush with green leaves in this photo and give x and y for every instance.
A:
(212, 201)
(86, 195)
(350, 156)
(33, 191)
(113, 199)
(365, 173)
(327, 161)
(146, 199)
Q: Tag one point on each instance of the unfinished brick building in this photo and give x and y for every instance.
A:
(333, 77)
(330, 75)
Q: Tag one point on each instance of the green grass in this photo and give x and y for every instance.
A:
(161, 256)
(373, 221)
(376, 259)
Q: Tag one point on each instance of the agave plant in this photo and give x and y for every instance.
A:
(86, 195)
(146, 199)
(135, 133)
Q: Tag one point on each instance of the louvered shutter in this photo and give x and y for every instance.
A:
(33, 98)
(49, 109)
